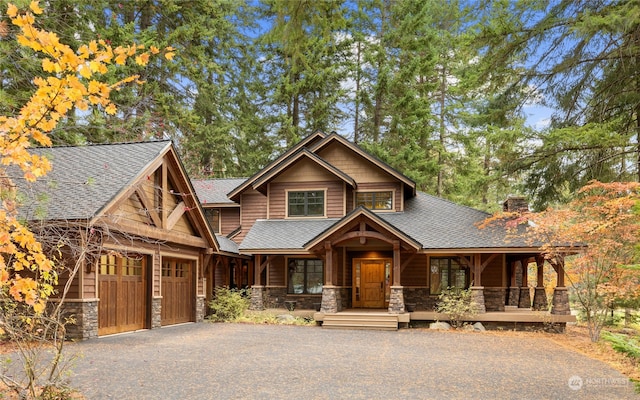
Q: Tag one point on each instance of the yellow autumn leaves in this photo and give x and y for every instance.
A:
(72, 83)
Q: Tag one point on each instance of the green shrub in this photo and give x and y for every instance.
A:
(229, 304)
(622, 344)
(457, 304)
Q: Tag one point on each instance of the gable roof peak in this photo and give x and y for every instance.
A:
(410, 185)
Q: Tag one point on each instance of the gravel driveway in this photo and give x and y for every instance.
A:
(238, 361)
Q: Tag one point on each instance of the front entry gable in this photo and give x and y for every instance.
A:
(361, 228)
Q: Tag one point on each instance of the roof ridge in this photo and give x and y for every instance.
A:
(101, 144)
(218, 179)
(452, 202)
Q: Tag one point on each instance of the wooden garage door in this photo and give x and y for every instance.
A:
(177, 291)
(122, 292)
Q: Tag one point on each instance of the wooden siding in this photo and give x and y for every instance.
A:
(492, 274)
(349, 199)
(334, 201)
(354, 165)
(276, 272)
(156, 274)
(132, 210)
(254, 206)
(304, 170)
(395, 187)
(220, 274)
(229, 219)
(89, 290)
(416, 272)
(183, 225)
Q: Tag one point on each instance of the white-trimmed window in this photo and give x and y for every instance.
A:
(378, 201)
(306, 203)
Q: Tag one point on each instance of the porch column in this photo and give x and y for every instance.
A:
(560, 304)
(525, 293)
(477, 290)
(540, 296)
(331, 299)
(257, 290)
(396, 297)
(514, 289)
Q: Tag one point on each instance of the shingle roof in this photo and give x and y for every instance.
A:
(84, 179)
(214, 191)
(440, 224)
(281, 234)
(227, 245)
(433, 222)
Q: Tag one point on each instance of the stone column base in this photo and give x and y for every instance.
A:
(200, 308)
(156, 312)
(514, 296)
(477, 299)
(525, 298)
(560, 304)
(257, 301)
(540, 299)
(396, 300)
(331, 300)
(83, 317)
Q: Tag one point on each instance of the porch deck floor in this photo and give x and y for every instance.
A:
(517, 315)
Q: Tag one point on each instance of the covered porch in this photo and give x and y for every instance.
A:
(381, 319)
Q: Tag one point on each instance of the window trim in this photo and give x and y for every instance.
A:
(393, 199)
(324, 203)
(288, 261)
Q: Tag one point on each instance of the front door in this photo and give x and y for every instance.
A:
(373, 283)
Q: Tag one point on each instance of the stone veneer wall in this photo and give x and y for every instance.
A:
(275, 298)
(560, 304)
(200, 308)
(494, 298)
(156, 312)
(421, 298)
(85, 318)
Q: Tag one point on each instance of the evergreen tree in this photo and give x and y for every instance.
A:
(582, 57)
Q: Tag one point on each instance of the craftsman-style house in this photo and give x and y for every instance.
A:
(325, 226)
(328, 226)
(135, 242)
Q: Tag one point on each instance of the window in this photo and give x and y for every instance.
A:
(126, 266)
(306, 204)
(213, 216)
(175, 268)
(375, 200)
(447, 272)
(305, 276)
